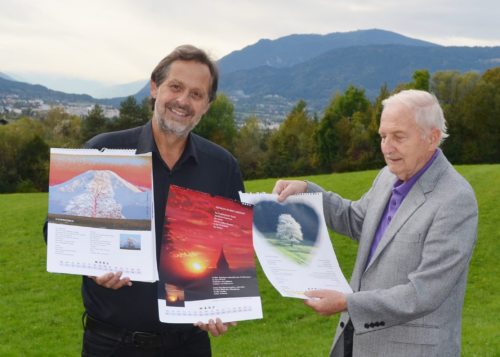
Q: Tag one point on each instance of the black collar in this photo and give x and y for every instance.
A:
(147, 143)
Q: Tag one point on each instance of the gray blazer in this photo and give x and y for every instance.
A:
(408, 300)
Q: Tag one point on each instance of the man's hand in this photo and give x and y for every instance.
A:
(215, 328)
(111, 280)
(285, 188)
(326, 302)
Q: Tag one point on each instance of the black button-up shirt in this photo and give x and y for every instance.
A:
(203, 166)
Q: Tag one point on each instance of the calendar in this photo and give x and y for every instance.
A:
(100, 214)
(207, 264)
(292, 244)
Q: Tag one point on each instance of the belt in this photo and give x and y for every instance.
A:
(136, 338)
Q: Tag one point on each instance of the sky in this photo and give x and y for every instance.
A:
(78, 46)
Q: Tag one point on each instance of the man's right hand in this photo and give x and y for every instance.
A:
(285, 188)
(111, 280)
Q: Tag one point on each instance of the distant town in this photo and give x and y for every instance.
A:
(271, 111)
(11, 105)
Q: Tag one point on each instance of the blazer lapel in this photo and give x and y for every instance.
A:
(414, 199)
(410, 204)
(372, 219)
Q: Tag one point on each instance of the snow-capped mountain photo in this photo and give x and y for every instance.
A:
(100, 194)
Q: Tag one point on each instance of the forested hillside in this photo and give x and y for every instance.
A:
(344, 138)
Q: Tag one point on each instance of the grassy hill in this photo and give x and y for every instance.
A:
(40, 312)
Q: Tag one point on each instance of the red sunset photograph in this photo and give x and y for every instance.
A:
(206, 239)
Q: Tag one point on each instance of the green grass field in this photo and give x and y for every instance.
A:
(40, 313)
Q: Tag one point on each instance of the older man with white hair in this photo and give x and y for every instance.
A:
(416, 228)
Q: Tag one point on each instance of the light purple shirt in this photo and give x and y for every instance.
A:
(399, 191)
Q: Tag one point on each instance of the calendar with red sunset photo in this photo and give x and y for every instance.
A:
(207, 263)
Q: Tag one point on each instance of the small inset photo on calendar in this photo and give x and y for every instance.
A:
(130, 241)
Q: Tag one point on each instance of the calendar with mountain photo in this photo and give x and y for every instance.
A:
(100, 213)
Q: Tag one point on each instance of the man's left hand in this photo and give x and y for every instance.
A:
(215, 328)
(326, 302)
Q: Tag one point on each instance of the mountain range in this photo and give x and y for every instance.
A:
(369, 67)
(294, 49)
(270, 76)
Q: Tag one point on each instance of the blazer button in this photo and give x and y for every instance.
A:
(382, 323)
(342, 324)
(377, 324)
(372, 325)
(367, 325)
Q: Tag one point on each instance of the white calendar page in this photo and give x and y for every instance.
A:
(292, 244)
(94, 252)
(234, 309)
(100, 216)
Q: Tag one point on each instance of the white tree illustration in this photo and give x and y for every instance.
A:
(97, 201)
(289, 229)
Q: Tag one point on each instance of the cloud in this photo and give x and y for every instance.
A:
(119, 41)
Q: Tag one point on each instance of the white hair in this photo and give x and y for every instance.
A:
(425, 108)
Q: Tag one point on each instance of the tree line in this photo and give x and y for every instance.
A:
(342, 138)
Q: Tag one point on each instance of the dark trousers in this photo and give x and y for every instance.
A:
(192, 343)
(348, 335)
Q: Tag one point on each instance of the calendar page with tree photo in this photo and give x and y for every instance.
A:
(292, 244)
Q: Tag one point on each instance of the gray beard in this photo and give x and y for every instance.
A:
(164, 126)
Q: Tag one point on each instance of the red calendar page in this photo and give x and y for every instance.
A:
(207, 264)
